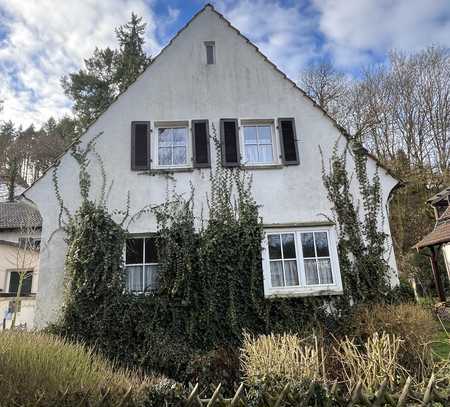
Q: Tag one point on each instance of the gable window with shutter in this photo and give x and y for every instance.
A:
(173, 147)
(257, 142)
(301, 262)
(140, 145)
(288, 141)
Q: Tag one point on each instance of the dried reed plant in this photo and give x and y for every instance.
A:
(371, 363)
(287, 355)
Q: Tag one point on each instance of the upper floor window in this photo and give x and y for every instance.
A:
(258, 143)
(210, 48)
(301, 262)
(141, 264)
(172, 146)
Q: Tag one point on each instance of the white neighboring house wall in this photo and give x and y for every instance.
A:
(179, 86)
(12, 258)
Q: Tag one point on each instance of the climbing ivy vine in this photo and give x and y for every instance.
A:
(211, 280)
(362, 243)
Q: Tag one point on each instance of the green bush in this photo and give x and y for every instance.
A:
(37, 369)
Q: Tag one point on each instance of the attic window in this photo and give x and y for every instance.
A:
(210, 47)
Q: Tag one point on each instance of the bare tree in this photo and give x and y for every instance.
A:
(329, 88)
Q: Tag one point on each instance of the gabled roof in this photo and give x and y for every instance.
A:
(440, 233)
(341, 129)
(19, 215)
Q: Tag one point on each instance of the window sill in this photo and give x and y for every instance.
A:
(157, 171)
(303, 292)
(263, 167)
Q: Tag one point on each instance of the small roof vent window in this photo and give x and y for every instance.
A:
(210, 48)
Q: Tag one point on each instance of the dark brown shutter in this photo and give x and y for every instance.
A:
(289, 151)
(140, 146)
(200, 143)
(229, 138)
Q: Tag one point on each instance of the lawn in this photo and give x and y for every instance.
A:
(441, 346)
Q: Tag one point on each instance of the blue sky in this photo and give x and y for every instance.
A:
(41, 40)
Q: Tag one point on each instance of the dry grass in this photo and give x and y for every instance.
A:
(33, 364)
(413, 323)
(287, 356)
(372, 363)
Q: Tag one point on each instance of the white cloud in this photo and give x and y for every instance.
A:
(46, 39)
(285, 34)
(356, 29)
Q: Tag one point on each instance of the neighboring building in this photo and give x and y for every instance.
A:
(156, 136)
(20, 187)
(20, 229)
(439, 237)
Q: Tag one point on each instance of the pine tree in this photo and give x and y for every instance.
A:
(131, 60)
(107, 73)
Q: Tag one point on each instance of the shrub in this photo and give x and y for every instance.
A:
(286, 355)
(43, 367)
(412, 323)
(371, 363)
(220, 365)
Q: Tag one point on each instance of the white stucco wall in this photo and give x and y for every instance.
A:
(180, 86)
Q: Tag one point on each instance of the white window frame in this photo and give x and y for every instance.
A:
(143, 264)
(173, 125)
(302, 290)
(274, 133)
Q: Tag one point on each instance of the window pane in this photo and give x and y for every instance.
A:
(179, 136)
(179, 155)
(290, 270)
(308, 245)
(276, 274)
(265, 154)
(251, 153)
(326, 277)
(274, 247)
(151, 253)
(288, 246)
(134, 278)
(151, 275)
(322, 244)
(13, 282)
(165, 137)
(134, 251)
(264, 135)
(165, 156)
(311, 272)
(250, 135)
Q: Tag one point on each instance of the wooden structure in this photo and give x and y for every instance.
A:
(438, 238)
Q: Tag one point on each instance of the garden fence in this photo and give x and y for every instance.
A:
(286, 398)
(358, 397)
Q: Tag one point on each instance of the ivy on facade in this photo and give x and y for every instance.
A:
(211, 280)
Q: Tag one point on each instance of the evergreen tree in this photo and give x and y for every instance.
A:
(131, 60)
(107, 73)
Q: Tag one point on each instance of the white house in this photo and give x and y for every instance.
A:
(209, 78)
(20, 229)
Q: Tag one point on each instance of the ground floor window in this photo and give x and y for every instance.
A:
(14, 281)
(301, 261)
(141, 264)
